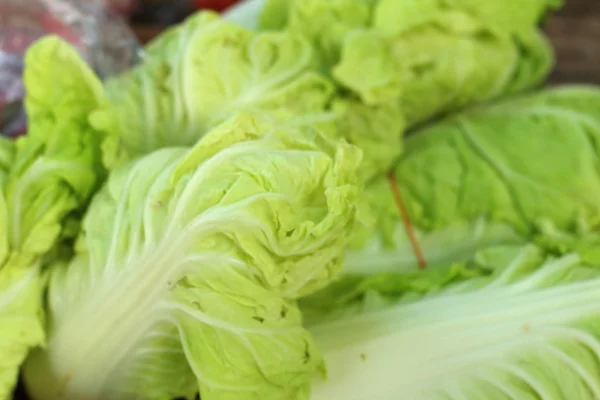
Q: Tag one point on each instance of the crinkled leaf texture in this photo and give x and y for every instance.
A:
(20, 320)
(432, 56)
(58, 164)
(442, 63)
(522, 161)
(504, 173)
(400, 15)
(189, 266)
(421, 59)
(45, 177)
(198, 74)
(526, 330)
(324, 23)
(20, 326)
(378, 130)
(328, 23)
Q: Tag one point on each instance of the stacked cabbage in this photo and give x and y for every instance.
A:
(222, 218)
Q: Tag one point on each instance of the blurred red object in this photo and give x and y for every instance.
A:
(217, 5)
(22, 24)
(102, 38)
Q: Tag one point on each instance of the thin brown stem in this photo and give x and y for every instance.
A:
(408, 227)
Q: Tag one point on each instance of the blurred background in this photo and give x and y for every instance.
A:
(575, 31)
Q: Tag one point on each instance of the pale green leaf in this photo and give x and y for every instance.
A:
(189, 267)
(528, 329)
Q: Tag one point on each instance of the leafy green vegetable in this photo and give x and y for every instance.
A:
(442, 61)
(210, 260)
(523, 161)
(274, 14)
(45, 177)
(396, 16)
(324, 23)
(190, 264)
(200, 73)
(377, 130)
(19, 290)
(433, 56)
(526, 330)
(502, 173)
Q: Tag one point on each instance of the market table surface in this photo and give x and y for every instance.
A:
(575, 32)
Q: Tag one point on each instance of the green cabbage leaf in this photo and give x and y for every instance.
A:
(324, 23)
(200, 73)
(522, 169)
(432, 56)
(46, 179)
(436, 58)
(189, 266)
(525, 328)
